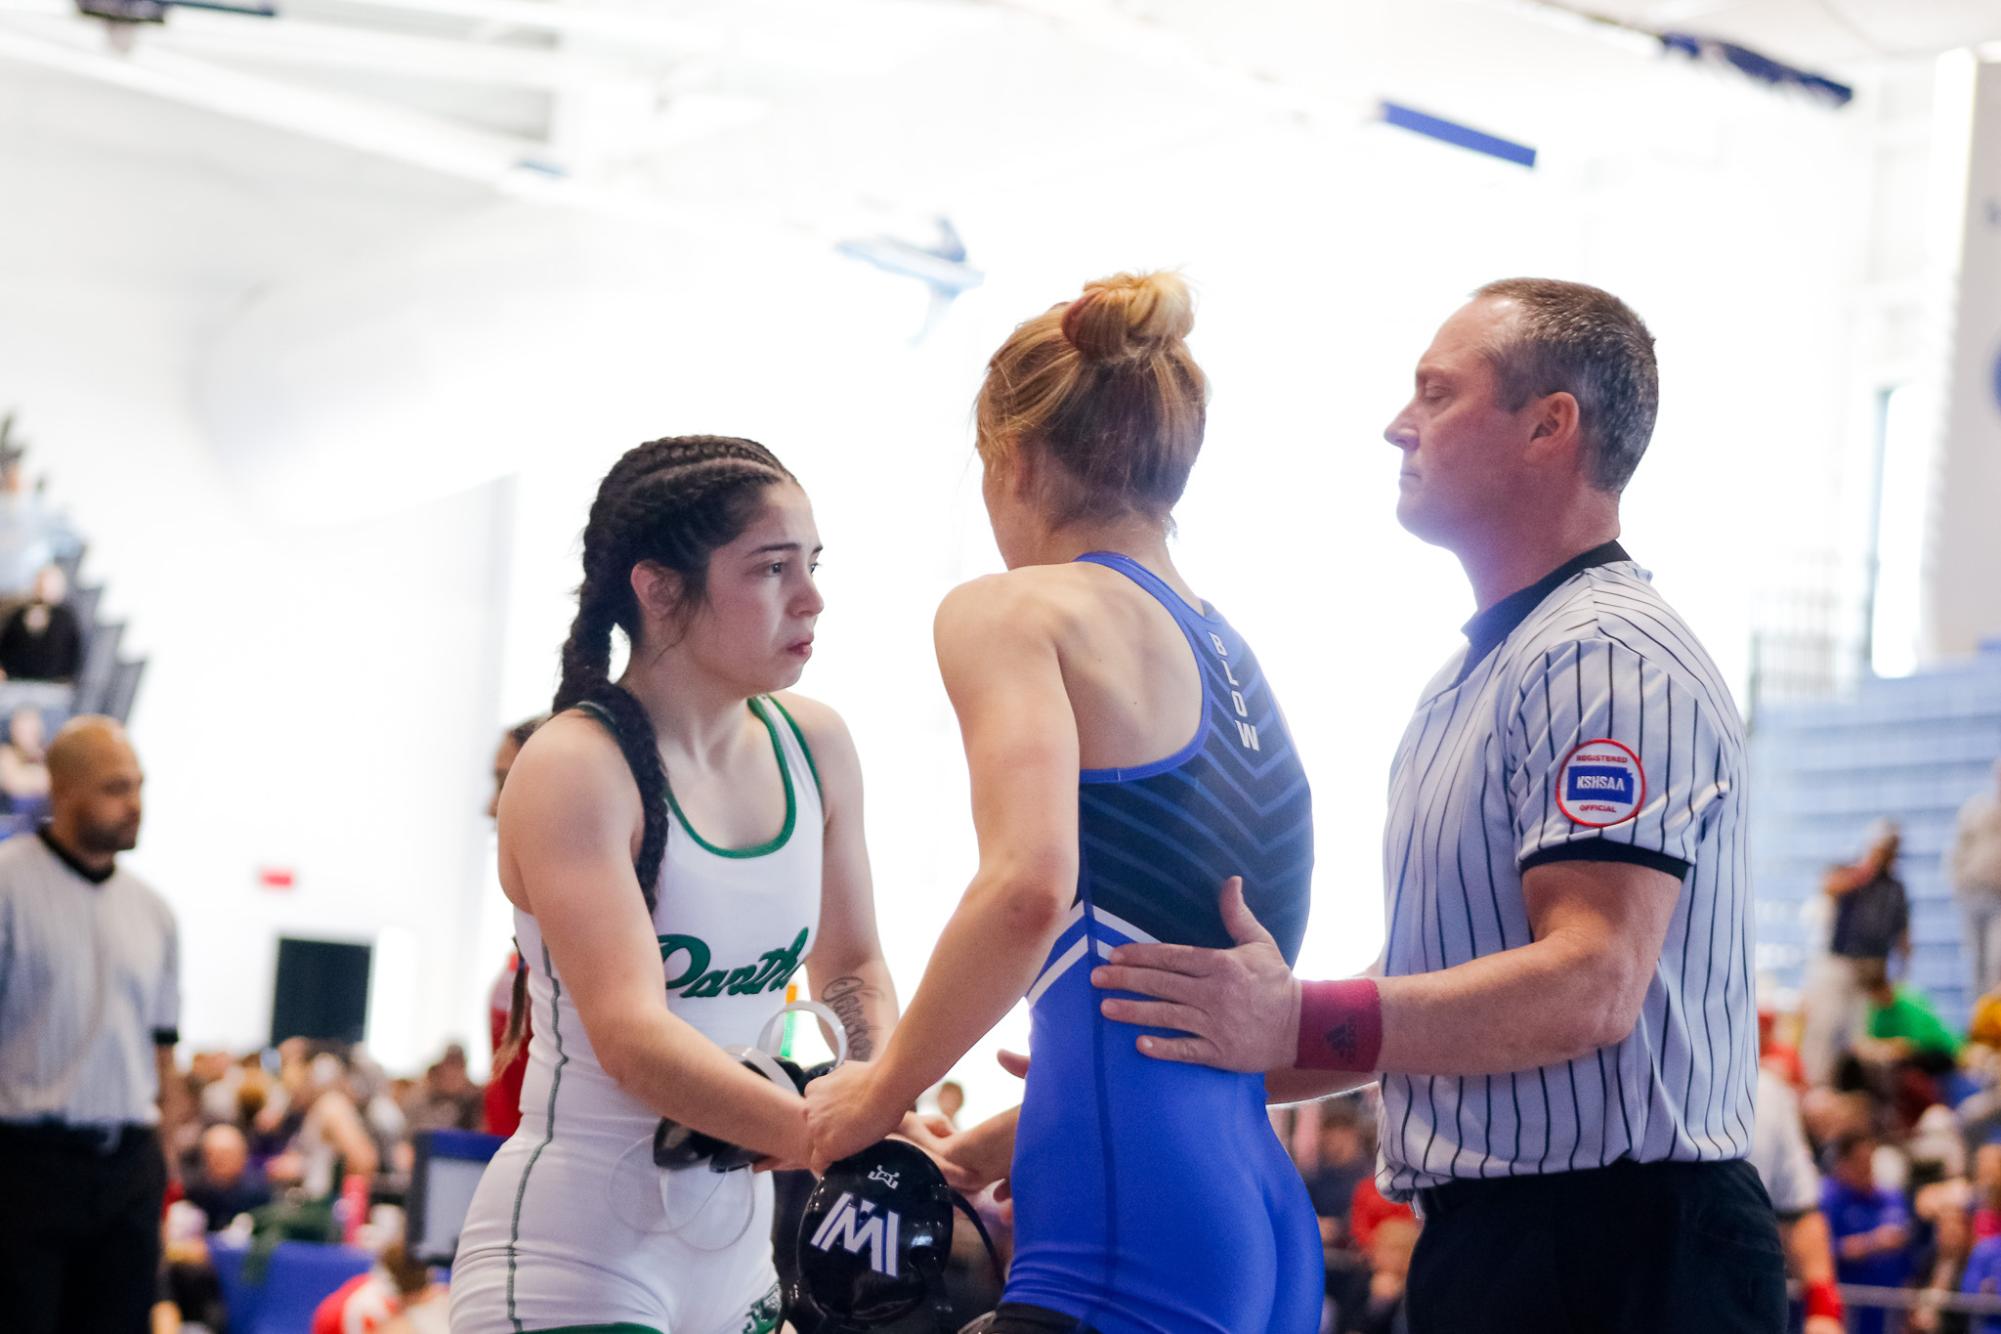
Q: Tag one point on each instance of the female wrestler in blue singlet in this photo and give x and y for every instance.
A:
(1126, 757)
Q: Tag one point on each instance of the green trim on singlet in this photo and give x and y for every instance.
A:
(791, 801)
(784, 774)
(548, 1134)
(765, 1314)
(804, 749)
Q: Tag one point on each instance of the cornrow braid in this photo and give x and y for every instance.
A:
(671, 503)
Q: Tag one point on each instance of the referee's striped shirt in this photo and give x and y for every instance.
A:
(89, 987)
(1582, 722)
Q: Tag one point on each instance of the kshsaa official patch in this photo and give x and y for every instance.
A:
(1601, 784)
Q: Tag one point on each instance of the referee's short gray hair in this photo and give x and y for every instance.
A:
(1580, 340)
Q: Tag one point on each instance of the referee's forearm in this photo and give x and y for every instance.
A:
(1520, 1009)
(172, 1099)
(1809, 1247)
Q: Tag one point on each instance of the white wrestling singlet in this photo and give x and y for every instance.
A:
(573, 1227)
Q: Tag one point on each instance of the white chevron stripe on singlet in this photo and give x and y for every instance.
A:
(1067, 960)
(1123, 927)
(1064, 963)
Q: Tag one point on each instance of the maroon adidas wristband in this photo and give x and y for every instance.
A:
(1340, 1025)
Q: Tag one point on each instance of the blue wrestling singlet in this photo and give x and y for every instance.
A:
(1153, 1196)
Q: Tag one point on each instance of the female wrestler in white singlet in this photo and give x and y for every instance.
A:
(676, 845)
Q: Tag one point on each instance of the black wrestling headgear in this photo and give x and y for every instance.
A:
(874, 1241)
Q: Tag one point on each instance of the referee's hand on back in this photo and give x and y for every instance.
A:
(1239, 1007)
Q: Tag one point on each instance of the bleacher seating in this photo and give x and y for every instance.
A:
(108, 682)
(123, 688)
(100, 661)
(1909, 749)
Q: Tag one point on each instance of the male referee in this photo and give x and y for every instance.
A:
(1563, 1019)
(89, 1008)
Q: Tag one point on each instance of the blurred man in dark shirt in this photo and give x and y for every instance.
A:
(226, 1184)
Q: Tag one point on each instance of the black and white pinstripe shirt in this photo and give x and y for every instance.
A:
(89, 985)
(1584, 721)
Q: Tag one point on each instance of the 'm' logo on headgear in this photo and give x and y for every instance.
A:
(855, 1225)
(873, 1240)
(1600, 784)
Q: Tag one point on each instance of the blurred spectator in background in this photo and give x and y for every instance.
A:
(501, 1103)
(238, 1093)
(369, 1303)
(1871, 1227)
(504, 756)
(274, 1123)
(331, 1141)
(1785, 1164)
(951, 1100)
(1987, 1192)
(1872, 920)
(41, 640)
(206, 1069)
(1901, 1023)
(426, 1312)
(24, 763)
(1982, 1277)
(191, 1288)
(1376, 1305)
(1368, 1210)
(1983, 1026)
(226, 1183)
(89, 1015)
(1943, 1209)
(1344, 1157)
(1774, 1051)
(1828, 1115)
(371, 1091)
(1973, 868)
(1936, 1148)
(448, 1099)
(503, 1090)
(1979, 1120)
(31, 535)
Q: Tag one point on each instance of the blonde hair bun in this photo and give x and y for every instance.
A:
(1129, 316)
(1105, 389)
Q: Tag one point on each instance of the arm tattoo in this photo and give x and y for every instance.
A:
(847, 997)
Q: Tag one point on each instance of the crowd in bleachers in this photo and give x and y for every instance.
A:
(56, 659)
(314, 1145)
(1900, 1109)
(311, 1142)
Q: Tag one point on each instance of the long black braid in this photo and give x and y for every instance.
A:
(670, 502)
